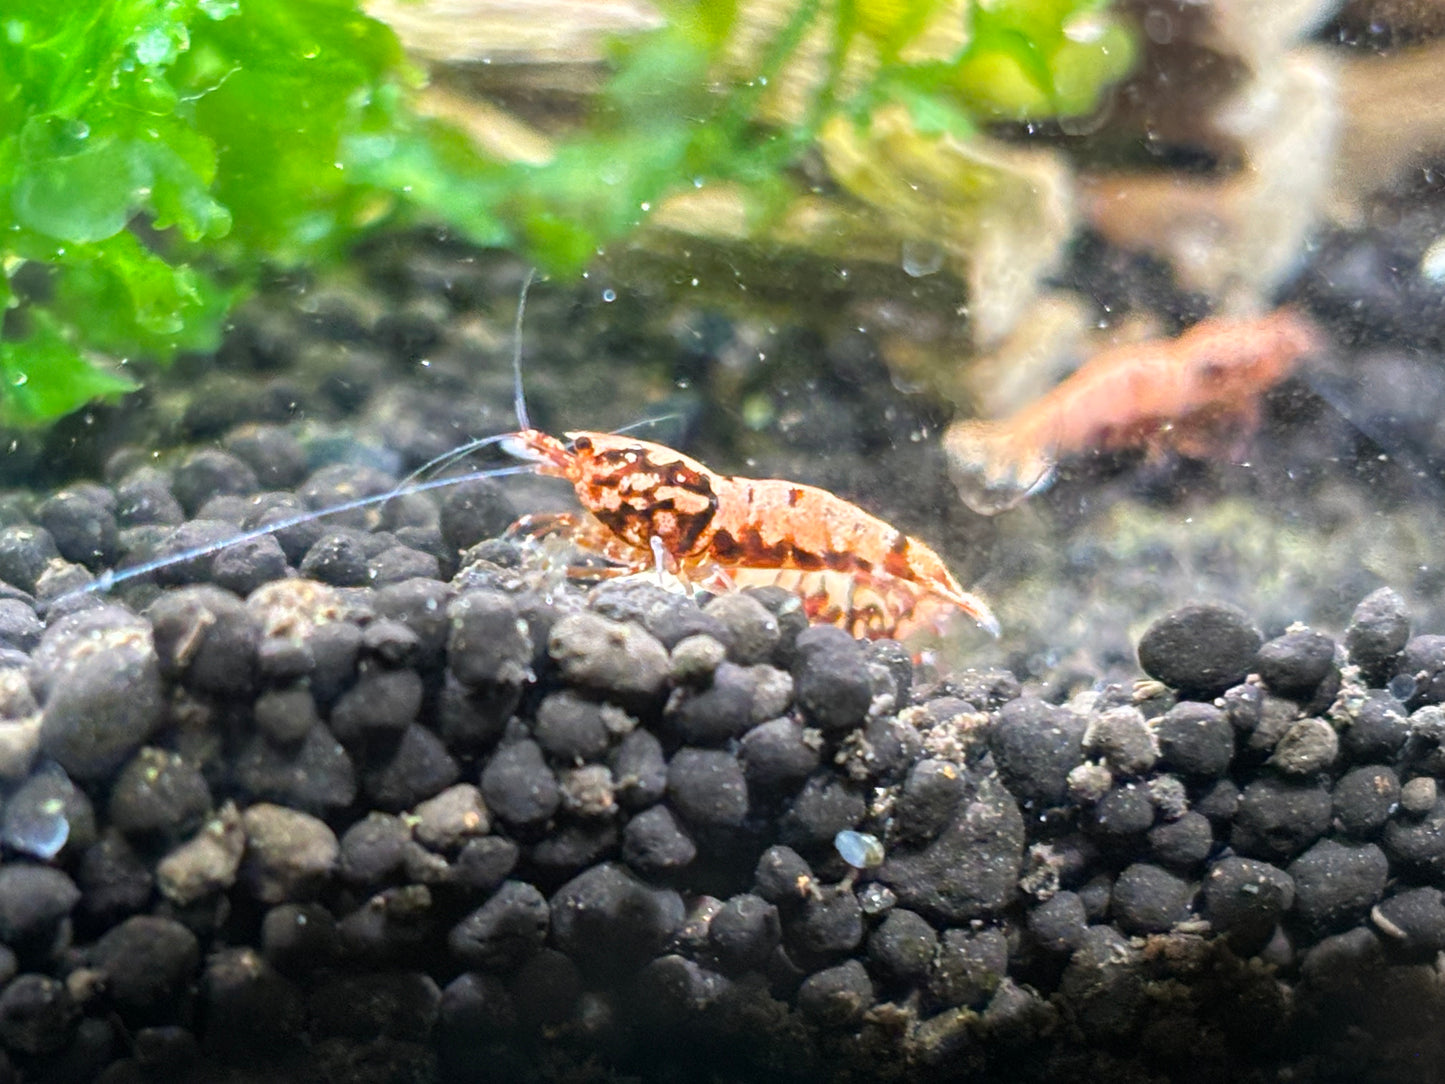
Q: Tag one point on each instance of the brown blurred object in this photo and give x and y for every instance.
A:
(513, 31)
(1394, 121)
(1236, 233)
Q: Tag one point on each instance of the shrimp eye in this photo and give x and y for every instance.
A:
(582, 444)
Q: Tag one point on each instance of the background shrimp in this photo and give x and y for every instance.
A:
(1197, 395)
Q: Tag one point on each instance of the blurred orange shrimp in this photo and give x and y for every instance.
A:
(1195, 395)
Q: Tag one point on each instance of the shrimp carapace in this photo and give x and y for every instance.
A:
(1197, 395)
(653, 507)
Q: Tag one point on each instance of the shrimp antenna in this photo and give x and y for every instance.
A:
(115, 577)
(519, 402)
(644, 422)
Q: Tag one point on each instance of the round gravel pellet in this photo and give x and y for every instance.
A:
(1378, 630)
(609, 656)
(654, 842)
(968, 966)
(707, 788)
(830, 676)
(570, 728)
(1058, 923)
(518, 786)
(489, 643)
(1414, 921)
(1378, 729)
(783, 876)
(744, 933)
(159, 795)
(1182, 844)
(148, 963)
(901, 948)
(606, 918)
(1415, 843)
(33, 901)
(1150, 899)
(504, 931)
(1421, 664)
(1364, 798)
(779, 754)
(639, 770)
(1036, 745)
(718, 712)
(752, 629)
(101, 684)
(290, 855)
(37, 1014)
(1418, 796)
(836, 996)
(1295, 664)
(1336, 884)
(1200, 649)
(1277, 819)
(1246, 898)
(1195, 739)
(1308, 746)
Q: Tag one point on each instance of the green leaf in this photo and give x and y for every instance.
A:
(44, 377)
(74, 188)
(129, 300)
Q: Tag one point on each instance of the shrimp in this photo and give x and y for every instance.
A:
(1190, 394)
(648, 506)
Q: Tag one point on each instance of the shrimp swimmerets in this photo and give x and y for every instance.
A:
(648, 506)
(1193, 394)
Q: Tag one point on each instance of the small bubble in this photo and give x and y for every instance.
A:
(1159, 27)
(921, 258)
(609, 295)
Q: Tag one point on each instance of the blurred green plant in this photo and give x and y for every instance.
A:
(154, 154)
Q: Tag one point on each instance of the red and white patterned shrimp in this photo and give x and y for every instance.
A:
(648, 506)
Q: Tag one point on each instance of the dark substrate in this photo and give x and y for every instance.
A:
(479, 829)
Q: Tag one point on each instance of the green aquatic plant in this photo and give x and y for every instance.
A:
(155, 154)
(152, 154)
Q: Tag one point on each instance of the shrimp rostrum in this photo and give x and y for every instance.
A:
(648, 507)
